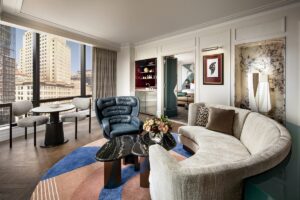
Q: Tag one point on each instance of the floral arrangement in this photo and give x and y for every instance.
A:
(157, 125)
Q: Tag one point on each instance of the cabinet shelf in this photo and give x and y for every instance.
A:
(142, 66)
(146, 72)
(140, 75)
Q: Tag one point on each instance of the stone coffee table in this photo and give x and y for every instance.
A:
(141, 149)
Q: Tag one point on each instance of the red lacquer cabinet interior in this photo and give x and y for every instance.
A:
(146, 73)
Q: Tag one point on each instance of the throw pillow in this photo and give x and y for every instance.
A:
(221, 120)
(202, 116)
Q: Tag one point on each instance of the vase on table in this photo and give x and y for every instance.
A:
(156, 136)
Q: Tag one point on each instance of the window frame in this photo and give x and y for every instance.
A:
(36, 98)
(36, 93)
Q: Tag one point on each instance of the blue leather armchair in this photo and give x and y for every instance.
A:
(119, 115)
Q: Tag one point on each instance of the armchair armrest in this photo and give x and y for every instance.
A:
(106, 126)
(137, 122)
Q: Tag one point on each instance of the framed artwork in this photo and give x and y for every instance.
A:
(213, 69)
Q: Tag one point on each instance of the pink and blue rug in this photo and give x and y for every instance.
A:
(78, 176)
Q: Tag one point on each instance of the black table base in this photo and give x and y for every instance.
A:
(112, 174)
(144, 172)
(132, 159)
(54, 135)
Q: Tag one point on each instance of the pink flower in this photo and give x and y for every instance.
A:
(161, 126)
(165, 129)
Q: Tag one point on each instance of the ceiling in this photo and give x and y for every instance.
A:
(132, 21)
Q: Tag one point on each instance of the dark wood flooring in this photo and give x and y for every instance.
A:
(22, 166)
(182, 115)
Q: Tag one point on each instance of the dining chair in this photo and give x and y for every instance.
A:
(22, 108)
(83, 110)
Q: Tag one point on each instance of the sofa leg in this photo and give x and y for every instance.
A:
(188, 149)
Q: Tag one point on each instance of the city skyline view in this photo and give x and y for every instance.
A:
(60, 71)
(75, 52)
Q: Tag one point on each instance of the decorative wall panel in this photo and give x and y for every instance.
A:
(267, 59)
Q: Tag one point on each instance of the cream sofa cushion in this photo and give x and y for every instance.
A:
(214, 147)
(259, 132)
(239, 119)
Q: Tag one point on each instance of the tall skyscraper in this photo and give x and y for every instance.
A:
(55, 68)
(55, 58)
(7, 69)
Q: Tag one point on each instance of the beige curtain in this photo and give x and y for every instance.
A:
(104, 73)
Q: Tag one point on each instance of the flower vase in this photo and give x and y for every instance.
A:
(156, 137)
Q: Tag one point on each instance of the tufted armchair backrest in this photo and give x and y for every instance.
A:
(117, 109)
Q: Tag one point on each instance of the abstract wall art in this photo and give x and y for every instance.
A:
(213, 69)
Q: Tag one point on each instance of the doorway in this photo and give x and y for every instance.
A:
(179, 85)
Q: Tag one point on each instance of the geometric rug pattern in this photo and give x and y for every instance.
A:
(78, 176)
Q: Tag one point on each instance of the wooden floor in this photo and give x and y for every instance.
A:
(22, 166)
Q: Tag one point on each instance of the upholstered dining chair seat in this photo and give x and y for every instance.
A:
(20, 108)
(83, 110)
(71, 117)
(29, 121)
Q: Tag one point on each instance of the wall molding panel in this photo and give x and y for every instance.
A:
(275, 27)
(261, 26)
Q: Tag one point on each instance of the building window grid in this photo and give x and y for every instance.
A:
(28, 52)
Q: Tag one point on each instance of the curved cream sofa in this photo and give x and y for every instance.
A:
(221, 162)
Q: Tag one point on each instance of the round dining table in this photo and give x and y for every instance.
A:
(54, 135)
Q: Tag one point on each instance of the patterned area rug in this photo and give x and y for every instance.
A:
(79, 176)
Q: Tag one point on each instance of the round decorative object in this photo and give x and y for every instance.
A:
(146, 69)
(156, 137)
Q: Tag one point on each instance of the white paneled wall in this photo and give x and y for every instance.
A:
(216, 94)
(125, 72)
(283, 22)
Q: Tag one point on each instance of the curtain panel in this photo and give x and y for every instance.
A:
(104, 73)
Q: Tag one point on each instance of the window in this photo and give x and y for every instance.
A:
(15, 67)
(75, 69)
(88, 71)
(59, 67)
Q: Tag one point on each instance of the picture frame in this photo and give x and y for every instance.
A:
(213, 69)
